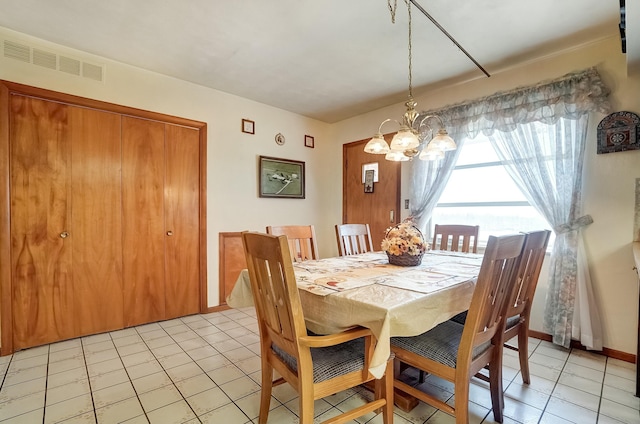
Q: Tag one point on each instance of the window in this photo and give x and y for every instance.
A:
(481, 192)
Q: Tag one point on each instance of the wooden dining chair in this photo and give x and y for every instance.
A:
(353, 239)
(303, 244)
(457, 238)
(455, 352)
(519, 308)
(316, 366)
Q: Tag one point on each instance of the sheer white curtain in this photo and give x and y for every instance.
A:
(428, 180)
(564, 104)
(545, 161)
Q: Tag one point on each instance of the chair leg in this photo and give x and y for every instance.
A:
(306, 405)
(461, 393)
(523, 352)
(496, 389)
(265, 392)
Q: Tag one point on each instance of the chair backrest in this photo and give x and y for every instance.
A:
(457, 238)
(275, 291)
(353, 239)
(485, 319)
(302, 240)
(535, 247)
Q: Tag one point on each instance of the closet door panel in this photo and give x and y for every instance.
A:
(143, 220)
(97, 219)
(42, 286)
(181, 193)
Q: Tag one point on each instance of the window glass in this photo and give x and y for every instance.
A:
(481, 192)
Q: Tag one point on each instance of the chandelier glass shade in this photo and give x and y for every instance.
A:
(412, 138)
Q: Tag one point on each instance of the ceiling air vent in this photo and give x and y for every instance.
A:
(92, 71)
(17, 51)
(69, 65)
(43, 58)
(50, 60)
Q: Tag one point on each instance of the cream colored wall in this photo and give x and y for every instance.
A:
(609, 193)
(232, 200)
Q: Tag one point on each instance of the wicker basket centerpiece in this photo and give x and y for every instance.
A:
(404, 244)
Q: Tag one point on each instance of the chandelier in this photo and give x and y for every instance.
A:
(416, 136)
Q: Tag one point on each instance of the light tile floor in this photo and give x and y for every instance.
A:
(206, 369)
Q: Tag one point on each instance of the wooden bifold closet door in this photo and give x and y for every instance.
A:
(105, 215)
(65, 234)
(160, 204)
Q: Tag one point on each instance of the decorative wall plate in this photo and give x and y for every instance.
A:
(618, 132)
(279, 139)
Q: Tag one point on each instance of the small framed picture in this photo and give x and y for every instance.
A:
(281, 178)
(248, 126)
(368, 181)
(308, 141)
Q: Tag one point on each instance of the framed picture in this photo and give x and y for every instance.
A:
(308, 141)
(248, 126)
(281, 178)
(368, 181)
(370, 167)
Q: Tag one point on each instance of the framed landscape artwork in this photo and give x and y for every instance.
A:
(281, 178)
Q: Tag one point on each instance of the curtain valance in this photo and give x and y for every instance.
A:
(569, 97)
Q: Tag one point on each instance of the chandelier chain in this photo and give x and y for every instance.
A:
(392, 10)
(410, 58)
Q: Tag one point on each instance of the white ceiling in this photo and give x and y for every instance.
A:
(326, 59)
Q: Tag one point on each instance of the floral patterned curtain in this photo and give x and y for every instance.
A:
(512, 120)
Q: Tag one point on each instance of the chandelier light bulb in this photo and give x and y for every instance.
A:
(405, 139)
(377, 145)
(443, 141)
(396, 156)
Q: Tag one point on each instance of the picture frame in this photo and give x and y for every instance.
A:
(368, 180)
(248, 126)
(309, 141)
(281, 178)
(370, 166)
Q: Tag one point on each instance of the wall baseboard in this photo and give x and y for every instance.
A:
(212, 309)
(611, 353)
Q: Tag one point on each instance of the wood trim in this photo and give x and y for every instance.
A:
(223, 255)
(611, 353)
(204, 283)
(6, 313)
(219, 308)
(6, 89)
(57, 96)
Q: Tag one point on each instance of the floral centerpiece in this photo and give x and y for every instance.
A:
(404, 244)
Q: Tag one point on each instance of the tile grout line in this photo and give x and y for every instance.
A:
(144, 412)
(84, 359)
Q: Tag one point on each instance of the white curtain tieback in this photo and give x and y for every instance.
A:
(574, 225)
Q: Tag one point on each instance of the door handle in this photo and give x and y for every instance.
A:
(391, 216)
(169, 233)
(64, 234)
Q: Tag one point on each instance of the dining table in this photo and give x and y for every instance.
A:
(365, 290)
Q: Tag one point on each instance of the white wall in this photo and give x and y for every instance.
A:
(609, 184)
(232, 195)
